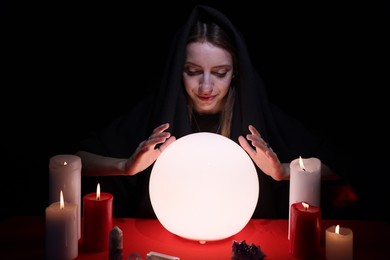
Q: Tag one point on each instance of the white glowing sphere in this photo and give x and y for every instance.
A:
(204, 187)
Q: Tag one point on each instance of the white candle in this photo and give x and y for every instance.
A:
(305, 183)
(61, 230)
(65, 175)
(339, 243)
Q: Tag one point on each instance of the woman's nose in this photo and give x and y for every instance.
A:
(205, 83)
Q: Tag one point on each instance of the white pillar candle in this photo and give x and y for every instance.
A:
(305, 183)
(65, 175)
(339, 243)
(61, 230)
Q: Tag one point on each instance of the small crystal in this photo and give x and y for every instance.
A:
(242, 251)
(116, 244)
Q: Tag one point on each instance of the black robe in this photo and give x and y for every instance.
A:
(287, 137)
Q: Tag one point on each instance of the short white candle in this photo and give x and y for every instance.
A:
(339, 243)
(61, 230)
(65, 175)
(305, 183)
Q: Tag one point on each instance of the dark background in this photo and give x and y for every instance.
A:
(69, 68)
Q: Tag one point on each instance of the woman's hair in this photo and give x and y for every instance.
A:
(204, 31)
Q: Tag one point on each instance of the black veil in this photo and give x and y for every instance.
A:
(287, 137)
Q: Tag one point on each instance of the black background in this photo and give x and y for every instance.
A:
(69, 68)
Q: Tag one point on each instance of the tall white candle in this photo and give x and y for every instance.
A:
(61, 230)
(65, 175)
(305, 183)
(339, 243)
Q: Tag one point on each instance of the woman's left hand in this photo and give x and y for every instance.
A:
(263, 155)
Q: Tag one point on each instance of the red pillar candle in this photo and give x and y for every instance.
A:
(97, 220)
(305, 233)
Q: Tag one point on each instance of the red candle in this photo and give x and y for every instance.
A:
(97, 220)
(305, 233)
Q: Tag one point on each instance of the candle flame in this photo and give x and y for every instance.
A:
(98, 192)
(65, 163)
(305, 205)
(62, 204)
(301, 163)
(337, 229)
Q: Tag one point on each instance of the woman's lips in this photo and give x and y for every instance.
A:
(206, 98)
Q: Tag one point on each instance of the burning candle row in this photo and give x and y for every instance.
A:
(304, 224)
(63, 217)
(305, 235)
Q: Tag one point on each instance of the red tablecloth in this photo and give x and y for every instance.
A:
(24, 238)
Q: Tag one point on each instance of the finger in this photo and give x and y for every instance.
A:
(159, 137)
(260, 144)
(161, 128)
(155, 141)
(167, 142)
(256, 139)
(253, 130)
(246, 146)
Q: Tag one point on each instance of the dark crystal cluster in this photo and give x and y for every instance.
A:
(242, 251)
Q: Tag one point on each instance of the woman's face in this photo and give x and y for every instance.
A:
(208, 71)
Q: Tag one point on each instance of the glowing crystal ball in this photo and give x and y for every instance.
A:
(204, 187)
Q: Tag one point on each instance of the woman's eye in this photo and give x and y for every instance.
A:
(196, 72)
(220, 74)
(193, 72)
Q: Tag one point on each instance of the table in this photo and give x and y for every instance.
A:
(23, 237)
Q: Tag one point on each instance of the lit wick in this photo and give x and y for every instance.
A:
(305, 206)
(301, 163)
(62, 202)
(98, 192)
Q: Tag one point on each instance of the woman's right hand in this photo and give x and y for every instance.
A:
(147, 152)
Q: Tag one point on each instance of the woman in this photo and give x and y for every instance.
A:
(209, 85)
